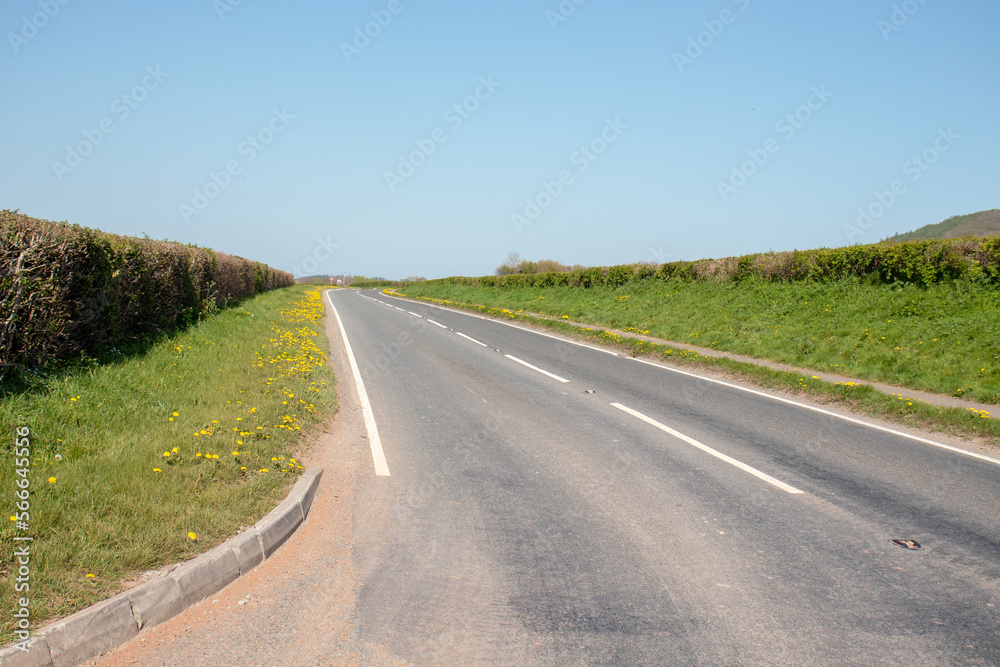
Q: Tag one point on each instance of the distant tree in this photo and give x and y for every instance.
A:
(550, 265)
(514, 264)
(510, 265)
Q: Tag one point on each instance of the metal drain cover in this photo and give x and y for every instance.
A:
(913, 545)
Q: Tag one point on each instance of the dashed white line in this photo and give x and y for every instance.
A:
(536, 368)
(437, 324)
(378, 455)
(561, 340)
(708, 450)
(471, 338)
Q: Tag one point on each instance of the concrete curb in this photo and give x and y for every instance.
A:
(108, 624)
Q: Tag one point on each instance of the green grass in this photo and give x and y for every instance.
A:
(131, 447)
(944, 338)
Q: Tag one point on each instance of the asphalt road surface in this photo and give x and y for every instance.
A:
(532, 501)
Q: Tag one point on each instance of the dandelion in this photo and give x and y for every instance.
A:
(237, 453)
(157, 470)
(198, 455)
(52, 480)
(192, 536)
(263, 469)
(90, 576)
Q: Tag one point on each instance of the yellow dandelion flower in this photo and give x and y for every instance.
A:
(192, 536)
(157, 470)
(52, 480)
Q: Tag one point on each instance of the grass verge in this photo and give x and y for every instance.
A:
(156, 458)
(943, 338)
(858, 397)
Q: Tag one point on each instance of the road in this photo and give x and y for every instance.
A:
(533, 501)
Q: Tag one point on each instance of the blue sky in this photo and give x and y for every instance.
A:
(593, 133)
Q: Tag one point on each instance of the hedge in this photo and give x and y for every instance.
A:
(915, 262)
(67, 290)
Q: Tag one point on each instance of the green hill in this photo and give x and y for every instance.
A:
(984, 223)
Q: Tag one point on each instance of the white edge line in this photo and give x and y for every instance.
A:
(437, 324)
(825, 412)
(563, 340)
(536, 368)
(708, 450)
(470, 338)
(378, 456)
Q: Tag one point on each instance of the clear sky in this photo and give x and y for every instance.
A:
(587, 131)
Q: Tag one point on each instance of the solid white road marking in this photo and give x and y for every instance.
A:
(708, 450)
(436, 323)
(378, 456)
(471, 338)
(824, 412)
(536, 368)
